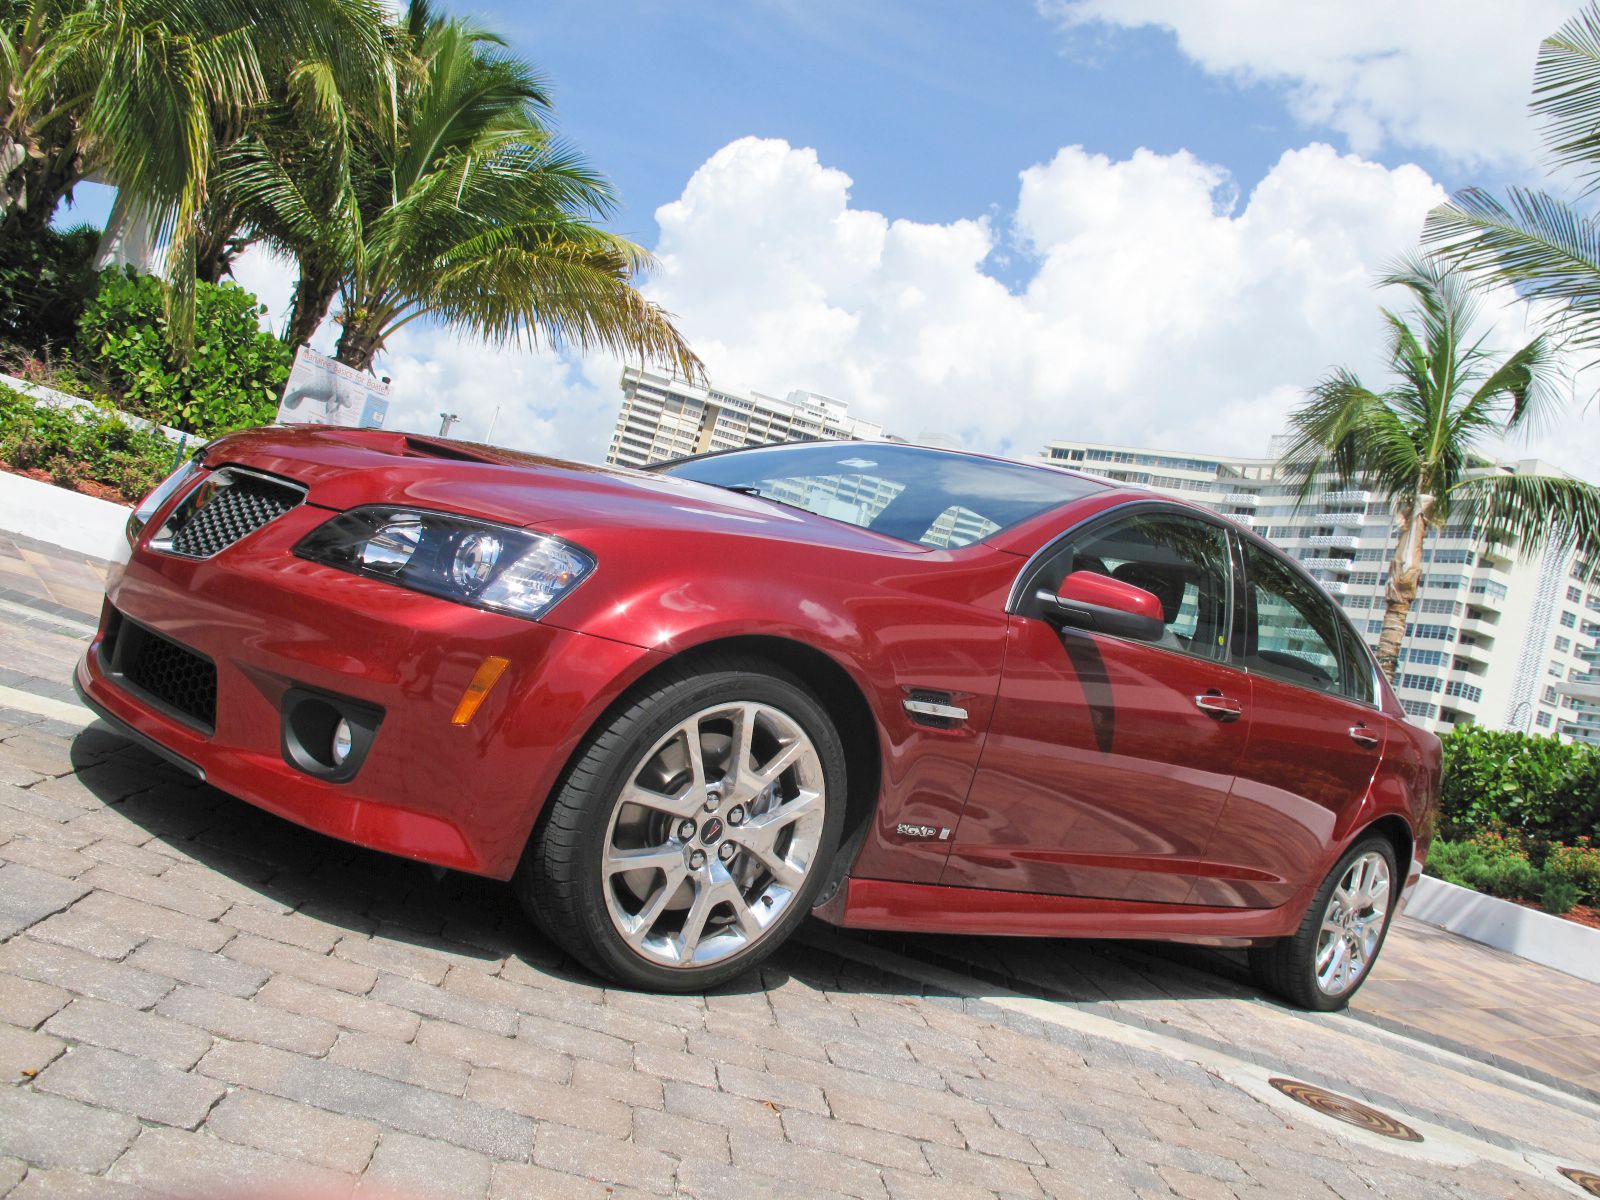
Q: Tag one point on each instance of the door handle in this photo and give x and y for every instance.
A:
(1223, 708)
(1367, 737)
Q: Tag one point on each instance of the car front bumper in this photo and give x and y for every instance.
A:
(276, 626)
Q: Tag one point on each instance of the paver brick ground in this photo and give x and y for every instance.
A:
(198, 999)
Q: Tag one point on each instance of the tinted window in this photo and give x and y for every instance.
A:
(1291, 631)
(1182, 562)
(909, 492)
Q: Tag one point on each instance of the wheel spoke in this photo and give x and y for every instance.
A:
(684, 804)
(694, 923)
(657, 858)
(645, 919)
(772, 770)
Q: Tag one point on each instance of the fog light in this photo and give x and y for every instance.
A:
(343, 739)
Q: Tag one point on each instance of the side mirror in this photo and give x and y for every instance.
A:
(1088, 600)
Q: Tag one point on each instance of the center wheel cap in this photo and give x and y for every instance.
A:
(710, 832)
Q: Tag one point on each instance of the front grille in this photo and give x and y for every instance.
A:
(229, 505)
(172, 675)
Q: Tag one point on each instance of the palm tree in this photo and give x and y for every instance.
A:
(1416, 441)
(136, 92)
(469, 212)
(1535, 241)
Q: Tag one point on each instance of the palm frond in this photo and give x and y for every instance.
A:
(1536, 243)
(1537, 512)
(1346, 431)
(1566, 93)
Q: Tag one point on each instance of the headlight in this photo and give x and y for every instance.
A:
(165, 490)
(455, 558)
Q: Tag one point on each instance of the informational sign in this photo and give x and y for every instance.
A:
(321, 391)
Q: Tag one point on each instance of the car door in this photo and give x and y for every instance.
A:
(1108, 760)
(1316, 737)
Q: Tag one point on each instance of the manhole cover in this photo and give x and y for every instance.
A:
(1587, 1180)
(1351, 1112)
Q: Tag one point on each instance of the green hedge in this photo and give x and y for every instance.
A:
(1538, 786)
(77, 444)
(231, 379)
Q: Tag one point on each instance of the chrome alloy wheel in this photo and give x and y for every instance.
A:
(713, 834)
(1352, 925)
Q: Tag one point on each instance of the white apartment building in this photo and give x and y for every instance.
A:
(664, 417)
(1495, 638)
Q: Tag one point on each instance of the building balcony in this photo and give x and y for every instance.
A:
(1354, 497)
(1243, 499)
(1335, 587)
(1343, 565)
(1333, 541)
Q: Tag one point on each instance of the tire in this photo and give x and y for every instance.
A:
(1344, 938)
(628, 868)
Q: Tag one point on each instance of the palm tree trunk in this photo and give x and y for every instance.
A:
(358, 346)
(313, 296)
(1405, 577)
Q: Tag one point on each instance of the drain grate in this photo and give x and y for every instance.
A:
(1351, 1112)
(1587, 1180)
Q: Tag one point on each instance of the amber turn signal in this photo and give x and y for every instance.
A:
(488, 674)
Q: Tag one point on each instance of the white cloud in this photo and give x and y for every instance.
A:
(1451, 76)
(1163, 309)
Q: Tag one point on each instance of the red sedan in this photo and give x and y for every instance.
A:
(898, 687)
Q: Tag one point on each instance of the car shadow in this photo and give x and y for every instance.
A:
(271, 862)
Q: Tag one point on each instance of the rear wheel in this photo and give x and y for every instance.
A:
(1330, 956)
(692, 834)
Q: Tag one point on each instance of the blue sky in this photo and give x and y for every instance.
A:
(932, 107)
(1152, 222)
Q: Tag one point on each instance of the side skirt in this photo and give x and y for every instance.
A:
(930, 908)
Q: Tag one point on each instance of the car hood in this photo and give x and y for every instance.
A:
(344, 468)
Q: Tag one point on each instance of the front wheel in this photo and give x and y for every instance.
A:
(691, 836)
(1326, 961)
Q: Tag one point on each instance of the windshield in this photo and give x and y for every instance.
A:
(932, 497)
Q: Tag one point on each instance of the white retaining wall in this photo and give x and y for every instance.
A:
(62, 518)
(1537, 936)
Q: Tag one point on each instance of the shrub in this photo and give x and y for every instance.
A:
(231, 378)
(44, 284)
(74, 444)
(1500, 864)
(1578, 865)
(1544, 788)
(1559, 896)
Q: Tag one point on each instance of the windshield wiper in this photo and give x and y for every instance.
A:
(749, 489)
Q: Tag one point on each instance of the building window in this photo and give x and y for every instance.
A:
(1419, 708)
(1563, 645)
(1569, 620)
(1574, 594)
(1556, 668)
(1544, 720)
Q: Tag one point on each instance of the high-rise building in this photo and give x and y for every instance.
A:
(663, 417)
(1495, 638)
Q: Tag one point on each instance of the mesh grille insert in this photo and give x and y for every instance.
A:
(227, 507)
(172, 674)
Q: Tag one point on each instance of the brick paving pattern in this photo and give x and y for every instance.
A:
(198, 999)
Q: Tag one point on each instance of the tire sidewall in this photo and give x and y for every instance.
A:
(680, 702)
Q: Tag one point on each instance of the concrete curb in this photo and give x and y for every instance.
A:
(1538, 937)
(62, 518)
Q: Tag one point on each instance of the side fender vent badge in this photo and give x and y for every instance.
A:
(933, 709)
